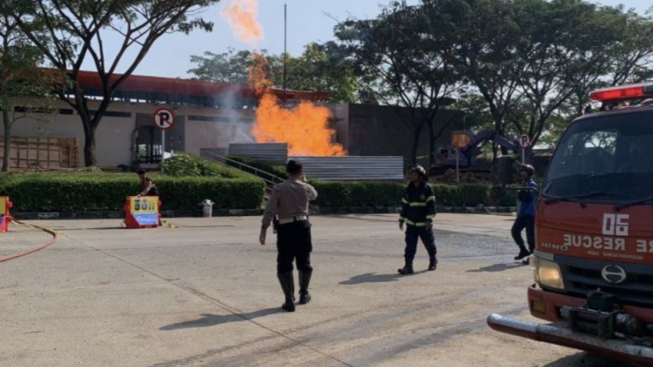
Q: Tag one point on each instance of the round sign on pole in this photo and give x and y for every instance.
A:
(460, 139)
(164, 119)
(524, 141)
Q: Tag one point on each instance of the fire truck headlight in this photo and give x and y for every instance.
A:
(547, 273)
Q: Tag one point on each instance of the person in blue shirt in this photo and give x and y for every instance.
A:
(527, 197)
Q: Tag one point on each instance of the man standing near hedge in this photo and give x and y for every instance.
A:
(418, 212)
(148, 187)
(289, 202)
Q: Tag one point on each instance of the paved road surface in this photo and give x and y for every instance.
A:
(205, 294)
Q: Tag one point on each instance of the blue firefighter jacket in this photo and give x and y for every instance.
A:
(527, 198)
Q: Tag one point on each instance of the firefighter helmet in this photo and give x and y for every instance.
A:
(528, 169)
(419, 169)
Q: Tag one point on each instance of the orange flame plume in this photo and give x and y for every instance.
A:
(305, 128)
(241, 15)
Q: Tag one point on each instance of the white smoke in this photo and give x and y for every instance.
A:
(236, 130)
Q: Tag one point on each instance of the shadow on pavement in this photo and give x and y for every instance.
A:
(583, 359)
(497, 268)
(209, 320)
(376, 278)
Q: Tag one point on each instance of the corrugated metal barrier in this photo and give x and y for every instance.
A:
(351, 168)
(273, 153)
(209, 152)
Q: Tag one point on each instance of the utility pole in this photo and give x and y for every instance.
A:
(285, 54)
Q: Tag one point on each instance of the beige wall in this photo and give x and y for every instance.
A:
(114, 137)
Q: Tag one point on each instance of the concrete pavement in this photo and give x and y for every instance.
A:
(205, 294)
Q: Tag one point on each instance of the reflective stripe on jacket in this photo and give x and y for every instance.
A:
(418, 205)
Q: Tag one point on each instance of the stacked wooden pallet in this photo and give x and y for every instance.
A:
(31, 152)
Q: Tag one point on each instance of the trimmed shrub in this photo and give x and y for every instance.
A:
(387, 194)
(67, 192)
(278, 170)
(187, 165)
(358, 194)
(503, 197)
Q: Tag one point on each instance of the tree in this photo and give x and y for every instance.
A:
(633, 54)
(403, 58)
(323, 68)
(228, 67)
(556, 61)
(74, 30)
(319, 68)
(24, 90)
(488, 36)
(588, 45)
(476, 111)
(600, 47)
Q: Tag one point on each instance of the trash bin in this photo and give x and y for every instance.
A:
(207, 208)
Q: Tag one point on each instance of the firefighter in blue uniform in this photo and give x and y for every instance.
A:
(417, 214)
(527, 197)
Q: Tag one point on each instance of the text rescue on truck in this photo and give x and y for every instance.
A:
(593, 263)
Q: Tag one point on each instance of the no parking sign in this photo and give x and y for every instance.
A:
(524, 141)
(164, 119)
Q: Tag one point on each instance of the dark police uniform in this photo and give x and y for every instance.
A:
(289, 202)
(418, 212)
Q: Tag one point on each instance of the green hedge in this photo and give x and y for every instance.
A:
(388, 194)
(188, 165)
(358, 194)
(374, 194)
(278, 170)
(68, 192)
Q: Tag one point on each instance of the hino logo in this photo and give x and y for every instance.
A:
(614, 274)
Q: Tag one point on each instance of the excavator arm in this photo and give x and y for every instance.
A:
(479, 140)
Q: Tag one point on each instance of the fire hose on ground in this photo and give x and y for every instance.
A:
(55, 237)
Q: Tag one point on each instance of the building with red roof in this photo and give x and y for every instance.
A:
(208, 115)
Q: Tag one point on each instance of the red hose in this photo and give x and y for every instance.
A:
(54, 234)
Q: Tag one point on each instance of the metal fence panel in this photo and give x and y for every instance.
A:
(210, 152)
(359, 168)
(273, 153)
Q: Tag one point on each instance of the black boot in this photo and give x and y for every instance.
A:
(304, 281)
(288, 286)
(407, 269)
(523, 253)
(433, 263)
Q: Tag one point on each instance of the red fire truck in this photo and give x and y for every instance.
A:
(593, 263)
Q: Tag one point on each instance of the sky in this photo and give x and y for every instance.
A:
(308, 21)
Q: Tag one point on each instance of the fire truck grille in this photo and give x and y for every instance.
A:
(582, 276)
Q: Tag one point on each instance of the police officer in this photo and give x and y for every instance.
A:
(526, 213)
(418, 212)
(289, 202)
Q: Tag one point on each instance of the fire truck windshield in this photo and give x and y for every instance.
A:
(609, 154)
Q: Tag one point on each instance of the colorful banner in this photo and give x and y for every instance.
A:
(3, 214)
(3, 208)
(145, 210)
